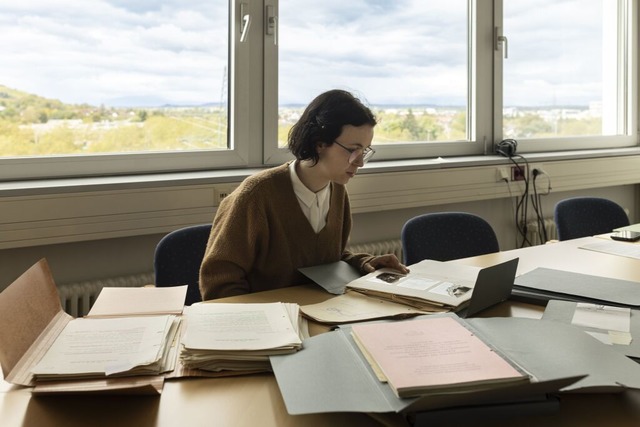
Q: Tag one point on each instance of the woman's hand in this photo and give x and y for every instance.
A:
(385, 261)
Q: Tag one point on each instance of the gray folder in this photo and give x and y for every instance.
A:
(333, 277)
(331, 375)
(493, 286)
(543, 284)
(562, 311)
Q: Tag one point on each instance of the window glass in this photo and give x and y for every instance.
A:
(408, 60)
(113, 76)
(561, 75)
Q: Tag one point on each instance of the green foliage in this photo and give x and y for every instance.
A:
(142, 115)
(32, 125)
(527, 126)
(408, 126)
(531, 125)
(458, 127)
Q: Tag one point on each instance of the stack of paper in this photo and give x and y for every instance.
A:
(432, 355)
(431, 286)
(239, 337)
(138, 301)
(127, 346)
(97, 348)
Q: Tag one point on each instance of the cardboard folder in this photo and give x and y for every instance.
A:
(31, 317)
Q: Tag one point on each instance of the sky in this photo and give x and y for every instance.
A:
(136, 52)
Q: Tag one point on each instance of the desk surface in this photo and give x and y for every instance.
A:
(565, 255)
(255, 399)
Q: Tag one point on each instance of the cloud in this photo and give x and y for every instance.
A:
(392, 51)
(82, 51)
(393, 55)
(554, 57)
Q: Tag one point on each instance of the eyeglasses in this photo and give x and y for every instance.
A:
(366, 153)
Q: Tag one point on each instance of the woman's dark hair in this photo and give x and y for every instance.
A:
(322, 122)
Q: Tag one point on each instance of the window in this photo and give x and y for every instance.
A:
(409, 60)
(566, 78)
(101, 85)
(394, 54)
(114, 87)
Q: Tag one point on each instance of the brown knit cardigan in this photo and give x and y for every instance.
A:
(260, 237)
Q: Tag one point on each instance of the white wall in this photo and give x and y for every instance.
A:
(498, 212)
(104, 258)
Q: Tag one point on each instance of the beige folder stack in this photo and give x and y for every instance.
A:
(114, 350)
(108, 347)
(240, 337)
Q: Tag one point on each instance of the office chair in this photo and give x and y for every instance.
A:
(444, 236)
(587, 216)
(177, 259)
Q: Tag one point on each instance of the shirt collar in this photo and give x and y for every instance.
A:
(304, 194)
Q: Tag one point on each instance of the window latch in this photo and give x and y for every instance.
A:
(245, 23)
(272, 24)
(501, 41)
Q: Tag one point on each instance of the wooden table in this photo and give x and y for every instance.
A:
(255, 400)
(568, 256)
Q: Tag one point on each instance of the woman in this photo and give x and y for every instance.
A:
(297, 214)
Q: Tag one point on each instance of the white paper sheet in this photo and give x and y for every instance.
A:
(111, 345)
(603, 317)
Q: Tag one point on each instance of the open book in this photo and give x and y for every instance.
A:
(432, 355)
(435, 286)
(239, 337)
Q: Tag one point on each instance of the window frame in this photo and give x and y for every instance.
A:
(627, 88)
(479, 23)
(253, 108)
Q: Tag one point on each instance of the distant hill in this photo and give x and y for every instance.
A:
(15, 98)
(28, 108)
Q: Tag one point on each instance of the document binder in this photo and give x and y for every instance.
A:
(331, 374)
(543, 284)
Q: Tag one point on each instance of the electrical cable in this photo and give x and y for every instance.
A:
(522, 205)
(513, 212)
(536, 201)
(537, 208)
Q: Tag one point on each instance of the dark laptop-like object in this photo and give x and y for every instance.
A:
(493, 286)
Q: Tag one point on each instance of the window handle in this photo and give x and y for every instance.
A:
(272, 24)
(245, 24)
(501, 40)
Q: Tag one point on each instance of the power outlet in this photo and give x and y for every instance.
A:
(502, 174)
(518, 173)
(222, 192)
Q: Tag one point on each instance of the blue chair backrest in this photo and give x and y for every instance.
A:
(587, 216)
(178, 256)
(444, 236)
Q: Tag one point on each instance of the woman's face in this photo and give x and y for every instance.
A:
(334, 158)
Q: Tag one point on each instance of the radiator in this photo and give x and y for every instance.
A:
(533, 234)
(382, 247)
(77, 298)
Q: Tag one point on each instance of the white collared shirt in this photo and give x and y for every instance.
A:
(315, 206)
